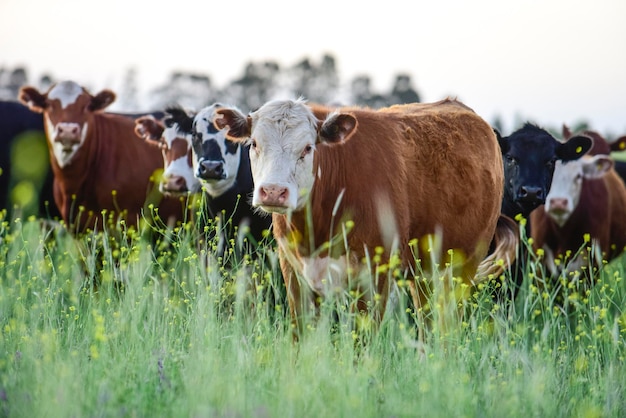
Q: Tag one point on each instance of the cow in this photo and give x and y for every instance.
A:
(21, 131)
(529, 155)
(223, 169)
(178, 175)
(602, 146)
(583, 222)
(98, 163)
(347, 185)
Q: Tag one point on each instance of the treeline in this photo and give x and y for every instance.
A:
(257, 83)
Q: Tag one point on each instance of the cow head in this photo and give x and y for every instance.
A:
(283, 135)
(215, 158)
(529, 155)
(567, 184)
(68, 112)
(178, 178)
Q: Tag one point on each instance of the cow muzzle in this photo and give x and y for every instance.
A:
(273, 197)
(531, 194)
(211, 170)
(557, 208)
(174, 185)
(67, 133)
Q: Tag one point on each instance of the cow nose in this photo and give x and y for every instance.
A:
(211, 170)
(273, 195)
(175, 184)
(558, 204)
(531, 193)
(67, 132)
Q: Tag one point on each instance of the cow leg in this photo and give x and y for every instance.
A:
(298, 302)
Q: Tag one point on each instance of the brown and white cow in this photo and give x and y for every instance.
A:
(178, 171)
(586, 206)
(602, 146)
(97, 161)
(352, 184)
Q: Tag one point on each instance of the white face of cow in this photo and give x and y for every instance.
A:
(283, 138)
(567, 184)
(179, 173)
(215, 159)
(66, 126)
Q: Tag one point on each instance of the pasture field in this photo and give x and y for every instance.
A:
(97, 327)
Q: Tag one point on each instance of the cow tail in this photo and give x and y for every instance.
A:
(505, 242)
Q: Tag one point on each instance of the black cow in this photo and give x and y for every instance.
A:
(529, 155)
(223, 168)
(22, 141)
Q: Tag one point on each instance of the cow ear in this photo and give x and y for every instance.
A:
(566, 133)
(31, 97)
(574, 148)
(148, 128)
(337, 127)
(239, 126)
(503, 142)
(101, 100)
(179, 116)
(597, 166)
(619, 144)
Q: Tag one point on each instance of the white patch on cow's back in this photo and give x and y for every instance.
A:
(67, 92)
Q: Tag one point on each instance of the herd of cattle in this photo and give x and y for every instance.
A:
(339, 185)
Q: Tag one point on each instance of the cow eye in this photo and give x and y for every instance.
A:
(306, 151)
(510, 160)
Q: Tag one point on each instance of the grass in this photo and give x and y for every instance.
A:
(94, 328)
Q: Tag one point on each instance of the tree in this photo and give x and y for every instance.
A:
(362, 94)
(315, 83)
(257, 85)
(403, 91)
(127, 100)
(193, 91)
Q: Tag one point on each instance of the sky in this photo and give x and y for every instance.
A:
(549, 62)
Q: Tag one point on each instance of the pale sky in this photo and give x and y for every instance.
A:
(546, 61)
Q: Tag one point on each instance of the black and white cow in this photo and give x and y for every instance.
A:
(223, 168)
(178, 177)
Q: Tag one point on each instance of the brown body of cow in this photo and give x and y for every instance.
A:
(400, 173)
(97, 161)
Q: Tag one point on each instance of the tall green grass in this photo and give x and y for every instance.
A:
(158, 328)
